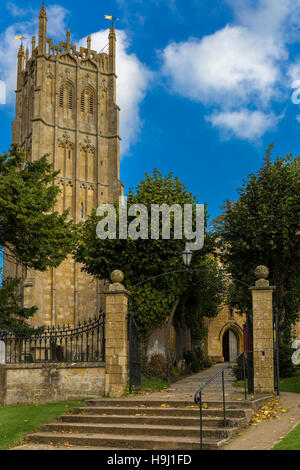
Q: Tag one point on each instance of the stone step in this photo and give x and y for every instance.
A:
(132, 430)
(125, 442)
(210, 421)
(156, 411)
(170, 403)
(60, 447)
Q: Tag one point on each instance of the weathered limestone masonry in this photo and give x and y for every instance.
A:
(116, 337)
(47, 382)
(66, 107)
(262, 306)
(38, 383)
(226, 320)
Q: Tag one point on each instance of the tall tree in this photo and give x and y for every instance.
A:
(155, 301)
(36, 236)
(12, 314)
(261, 228)
(31, 232)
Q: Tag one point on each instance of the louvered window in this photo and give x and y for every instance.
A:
(66, 96)
(87, 101)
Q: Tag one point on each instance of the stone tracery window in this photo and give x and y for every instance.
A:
(87, 101)
(66, 95)
(49, 90)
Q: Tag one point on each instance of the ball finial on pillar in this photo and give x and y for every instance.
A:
(117, 276)
(261, 272)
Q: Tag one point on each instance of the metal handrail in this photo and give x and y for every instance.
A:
(198, 394)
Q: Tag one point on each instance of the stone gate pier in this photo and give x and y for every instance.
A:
(263, 336)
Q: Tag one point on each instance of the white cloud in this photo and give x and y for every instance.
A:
(245, 124)
(294, 72)
(238, 67)
(56, 25)
(231, 65)
(132, 83)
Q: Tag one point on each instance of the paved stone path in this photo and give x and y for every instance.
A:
(185, 389)
(191, 384)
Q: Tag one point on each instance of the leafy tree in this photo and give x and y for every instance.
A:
(12, 314)
(35, 235)
(201, 299)
(260, 228)
(155, 301)
(31, 232)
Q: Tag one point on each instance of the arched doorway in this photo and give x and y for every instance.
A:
(230, 345)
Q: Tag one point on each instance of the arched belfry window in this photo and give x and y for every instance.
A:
(66, 96)
(49, 89)
(81, 210)
(87, 101)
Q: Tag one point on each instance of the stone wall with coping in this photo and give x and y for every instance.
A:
(50, 382)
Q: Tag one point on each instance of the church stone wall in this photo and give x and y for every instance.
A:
(216, 328)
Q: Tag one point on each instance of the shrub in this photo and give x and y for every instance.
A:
(196, 360)
(238, 369)
(160, 367)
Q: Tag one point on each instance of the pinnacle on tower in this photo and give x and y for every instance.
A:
(21, 56)
(112, 30)
(42, 30)
(21, 51)
(112, 48)
(89, 41)
(43, 12)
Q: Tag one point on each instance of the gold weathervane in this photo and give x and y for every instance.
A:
(20, 37)
(112, 18)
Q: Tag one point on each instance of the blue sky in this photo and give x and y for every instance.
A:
(204, 86)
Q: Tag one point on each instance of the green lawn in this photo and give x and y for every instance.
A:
(289, 384)
(17, 421)
(150, 385)
(291, 441)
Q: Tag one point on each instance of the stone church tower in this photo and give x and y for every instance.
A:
(66, 107)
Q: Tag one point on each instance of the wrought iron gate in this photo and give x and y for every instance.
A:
(276, 351)
(248, 348)
(135, 366)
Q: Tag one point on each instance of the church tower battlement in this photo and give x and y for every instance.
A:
(66, 108)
